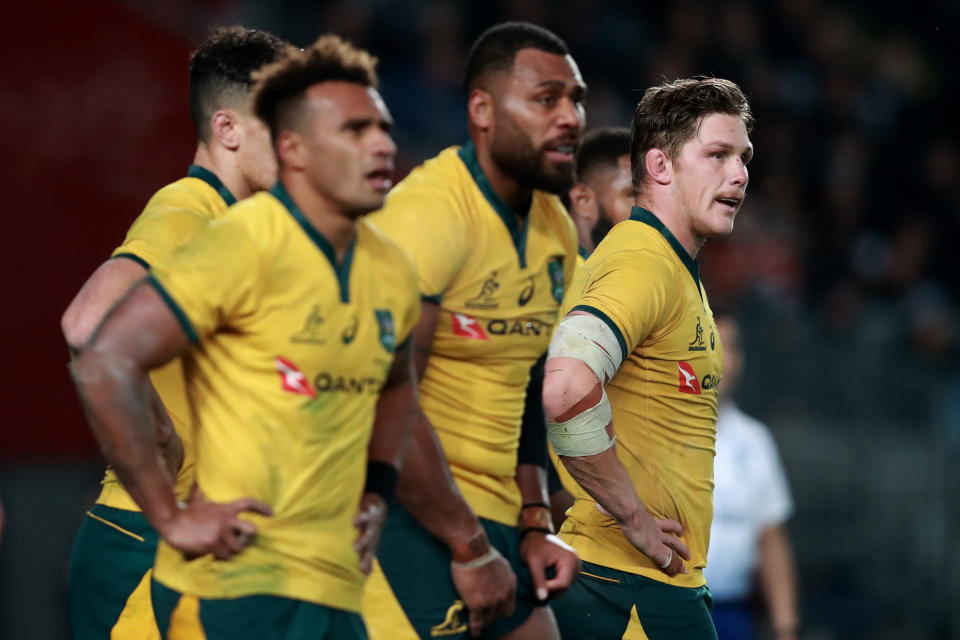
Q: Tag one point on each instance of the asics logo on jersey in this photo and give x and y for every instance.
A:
(527, 292)
(350, 331)
(697, 343)
(453, 624)
(484, 299)
(688, 378)
(292, 379)
(467, 327)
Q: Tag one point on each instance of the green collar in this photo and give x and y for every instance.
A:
(642, 215)
(468, 154)
(196, 171)
(583, 252)
(342, 270)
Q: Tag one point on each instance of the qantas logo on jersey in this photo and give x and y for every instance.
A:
(327, 382)
(467, 327)
(688, 378)
(517, 327)
(292, 379)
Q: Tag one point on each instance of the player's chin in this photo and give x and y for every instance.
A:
(556, 178)
(366, 204)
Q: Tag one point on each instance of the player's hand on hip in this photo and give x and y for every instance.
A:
(203, 526)
(542, 550)
(369, 521)
(658, 539)
(488, 589)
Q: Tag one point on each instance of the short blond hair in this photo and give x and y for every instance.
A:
(668, 115)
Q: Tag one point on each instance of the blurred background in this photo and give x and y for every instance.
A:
(841, 268)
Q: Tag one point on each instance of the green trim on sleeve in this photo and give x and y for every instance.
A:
(639, 214)
(177, 311)
(132, 256)
(468, 154)
(607, 321)
(342, 271)
(437, 299)
(196, 171)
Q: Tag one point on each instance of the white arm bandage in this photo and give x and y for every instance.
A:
(588, 339)
(584, 434)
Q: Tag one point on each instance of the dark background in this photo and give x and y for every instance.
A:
(841, 268)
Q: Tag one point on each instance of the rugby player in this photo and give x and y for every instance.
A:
(494, 248)
(291, 314)
(110, 566)
(639, 328)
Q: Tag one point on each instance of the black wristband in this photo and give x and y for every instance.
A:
(543, 530)
(381, 479)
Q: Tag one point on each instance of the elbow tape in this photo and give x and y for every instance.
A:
(584, 434)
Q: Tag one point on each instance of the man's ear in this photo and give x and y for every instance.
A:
(659, 166)
(480, 109)
(582, 198)
(290, 150)
(225, 130)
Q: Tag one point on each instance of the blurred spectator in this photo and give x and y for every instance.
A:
(749, 547)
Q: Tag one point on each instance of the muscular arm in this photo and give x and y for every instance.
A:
(531, 472)
(99, 293)
(571, 387)
(482, 577)
(542, 551)
(777, 578)
(426, 487)
(396, 407)
(111, 375)
(139, 334)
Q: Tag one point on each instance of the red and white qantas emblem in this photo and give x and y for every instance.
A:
(467, 327)
(292, 379)
(688, 378)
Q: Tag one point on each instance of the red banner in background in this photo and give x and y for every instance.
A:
(95, 119)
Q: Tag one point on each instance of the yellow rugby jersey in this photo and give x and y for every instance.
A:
(171, 217)
(291, 351)
(499, 289)
(643, 284)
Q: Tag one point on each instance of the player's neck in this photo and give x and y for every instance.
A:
(673, 218)
(326, 217)
(515, 195)
(224, 166)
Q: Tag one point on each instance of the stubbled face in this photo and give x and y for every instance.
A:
(256, 158)
(614, 197)
(709, 179)
(350, 153)
(538, 120)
